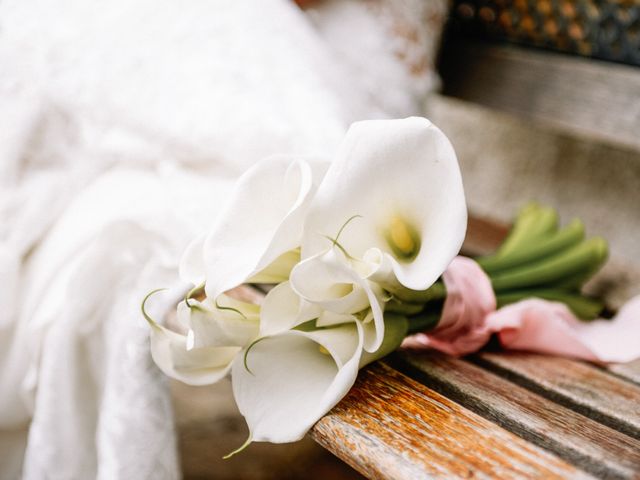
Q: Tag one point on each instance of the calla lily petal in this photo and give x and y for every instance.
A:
(401, 178)
(296, 377)
(377, 266)
(283, 310)
(192, 264)
(262, 221)
(330, 319)
(328, 280)
(198, 366)
(279, 270)
(286, 390)
(395, 330)
(212, 325)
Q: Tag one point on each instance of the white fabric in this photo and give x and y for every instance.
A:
(122, 125)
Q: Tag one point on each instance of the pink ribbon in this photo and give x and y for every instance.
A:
(469, 318)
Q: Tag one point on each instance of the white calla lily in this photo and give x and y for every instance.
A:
(329, 281)
(387, 215)
(288, 381)
(282, 309)
(191, 267)
(398, 184)
(195, 366)
(198, 366)
(225, 322)
(279, 270)
(261, 223)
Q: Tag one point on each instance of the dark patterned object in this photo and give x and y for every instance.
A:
(608, 30)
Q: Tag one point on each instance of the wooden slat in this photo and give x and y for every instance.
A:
(629, 371)
(391, 427)
(597, 99)
(582, 387)
(597, 448)
(507, 161)
(483, 236)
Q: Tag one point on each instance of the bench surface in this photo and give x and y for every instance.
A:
(491, 415)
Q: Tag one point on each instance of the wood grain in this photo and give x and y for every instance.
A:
(483, 236)
(597, 448)
(470, 422)
(596, 99)
(629, 371)
(392, 427)
(582, 387)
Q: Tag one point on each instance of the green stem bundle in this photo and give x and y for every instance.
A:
(536, 260)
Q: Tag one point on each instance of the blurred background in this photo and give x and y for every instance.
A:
(123, 126)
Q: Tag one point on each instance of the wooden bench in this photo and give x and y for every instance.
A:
(527, 124)
(492, 415)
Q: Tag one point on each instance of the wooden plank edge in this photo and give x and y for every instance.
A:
(390, 426)
(594, 447)
(566, 388)
(629, 372)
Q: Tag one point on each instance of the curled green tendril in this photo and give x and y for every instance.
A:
(344, 225)
(191, 293)
(221, 307)
(246, 353)
(238, 450)
(335, 243)
(143, 309)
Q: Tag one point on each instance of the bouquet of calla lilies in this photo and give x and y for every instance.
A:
(361, 253)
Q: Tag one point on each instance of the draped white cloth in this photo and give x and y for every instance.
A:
(122, 127)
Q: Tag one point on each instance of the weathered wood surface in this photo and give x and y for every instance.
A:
(580, 386)
(483, 236)
(569, 116)
(507, 161)
(576, 438)
(598, 99)
(392, 427)
(457, 416)
(629, 371)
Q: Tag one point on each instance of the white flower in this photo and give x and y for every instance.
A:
(262, 223)
(216, 334)
(393, 203)
(284, 383)
(331, 281)
(388, 213)
(198, 366)
(283, 310)
(401, 179)
(225, 322)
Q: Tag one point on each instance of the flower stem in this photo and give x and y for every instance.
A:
(396, 306)
(576, 260)
(561, 240)
(437, 291)
(533, 223)
(427, 320)
(583, 307)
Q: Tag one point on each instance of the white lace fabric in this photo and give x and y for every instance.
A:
(122, 127)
